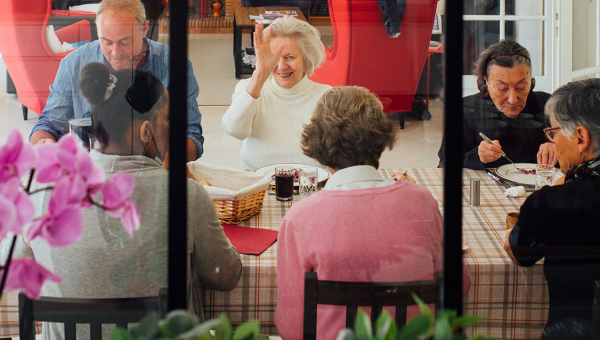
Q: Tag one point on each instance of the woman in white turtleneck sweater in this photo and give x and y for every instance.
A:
(268, 111)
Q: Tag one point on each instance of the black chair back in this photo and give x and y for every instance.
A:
(95, 312)
(354, 294)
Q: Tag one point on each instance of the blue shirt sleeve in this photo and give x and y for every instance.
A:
(158, 64)
(55, 117)
(194, 127)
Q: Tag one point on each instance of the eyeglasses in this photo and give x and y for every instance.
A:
(549, 133)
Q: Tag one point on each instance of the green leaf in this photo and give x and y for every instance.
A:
(442, 330)
(181, 321)
(424, 309)
(386, 328)
(419, 325)
(247, 330)
(201, 331)
(465, 321)
(346, 334)
(480, 336)
(120, 334)
(223, 328)
(164, 331)
(147, 328)
(447, 315)
(362, 325)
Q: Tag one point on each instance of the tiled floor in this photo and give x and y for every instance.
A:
(213, 65)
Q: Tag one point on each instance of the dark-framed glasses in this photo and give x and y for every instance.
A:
(549, 132)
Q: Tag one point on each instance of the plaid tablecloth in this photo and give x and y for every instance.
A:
(514, 300)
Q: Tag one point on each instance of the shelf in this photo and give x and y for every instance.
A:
(318, 12)
(319, 20)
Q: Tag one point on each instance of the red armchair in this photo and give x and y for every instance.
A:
(28, 59)
(364, 55)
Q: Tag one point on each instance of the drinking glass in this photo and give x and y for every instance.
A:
(81, 128)
(308, 179)
(284, 183)
(544, 175)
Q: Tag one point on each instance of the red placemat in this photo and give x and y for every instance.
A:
(249, 241)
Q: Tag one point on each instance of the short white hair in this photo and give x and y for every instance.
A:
(308, 37)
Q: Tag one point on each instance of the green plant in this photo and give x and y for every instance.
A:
(180, 324)
(421, 327)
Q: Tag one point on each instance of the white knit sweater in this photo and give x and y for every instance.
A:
(270, 126)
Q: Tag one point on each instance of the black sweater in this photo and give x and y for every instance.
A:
(562, 225)
(521, 144)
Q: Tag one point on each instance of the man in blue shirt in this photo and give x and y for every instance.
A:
(122, 26)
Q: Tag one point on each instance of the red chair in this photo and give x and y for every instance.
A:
(28, 59)
(364, 55)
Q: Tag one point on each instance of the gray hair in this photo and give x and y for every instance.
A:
(308, 37)
(134, 7)
(577, 104)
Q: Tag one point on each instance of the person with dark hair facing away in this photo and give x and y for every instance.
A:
(130, 118)
(360, 227)
(559, 223)
(506, 110)
(122, 27)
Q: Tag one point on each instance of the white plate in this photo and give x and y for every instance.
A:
(507, 171)
(270, 169)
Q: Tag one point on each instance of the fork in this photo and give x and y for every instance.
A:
(489, 141)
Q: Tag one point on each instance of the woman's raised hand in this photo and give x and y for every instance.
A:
(266, 60)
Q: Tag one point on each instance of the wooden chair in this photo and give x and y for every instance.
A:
(95, 312)
(355, 294)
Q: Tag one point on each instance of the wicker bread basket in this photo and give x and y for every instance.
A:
(238, 195)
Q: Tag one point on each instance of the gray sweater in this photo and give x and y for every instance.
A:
(106, 263)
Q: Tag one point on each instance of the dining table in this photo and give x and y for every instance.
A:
(512, 300)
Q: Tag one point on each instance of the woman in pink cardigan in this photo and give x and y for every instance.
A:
(360, 227)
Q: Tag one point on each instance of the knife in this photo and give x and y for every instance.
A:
(497, 180)
(528, 188)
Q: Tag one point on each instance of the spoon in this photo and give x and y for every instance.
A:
(485, 138)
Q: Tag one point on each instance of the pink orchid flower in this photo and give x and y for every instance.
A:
(63, 223)
(15, 203)
(67, 157)
(131, 219)
(116, 193)
(16, 157)
(28, 275)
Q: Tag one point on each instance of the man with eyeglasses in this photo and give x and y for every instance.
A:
(559, 223)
